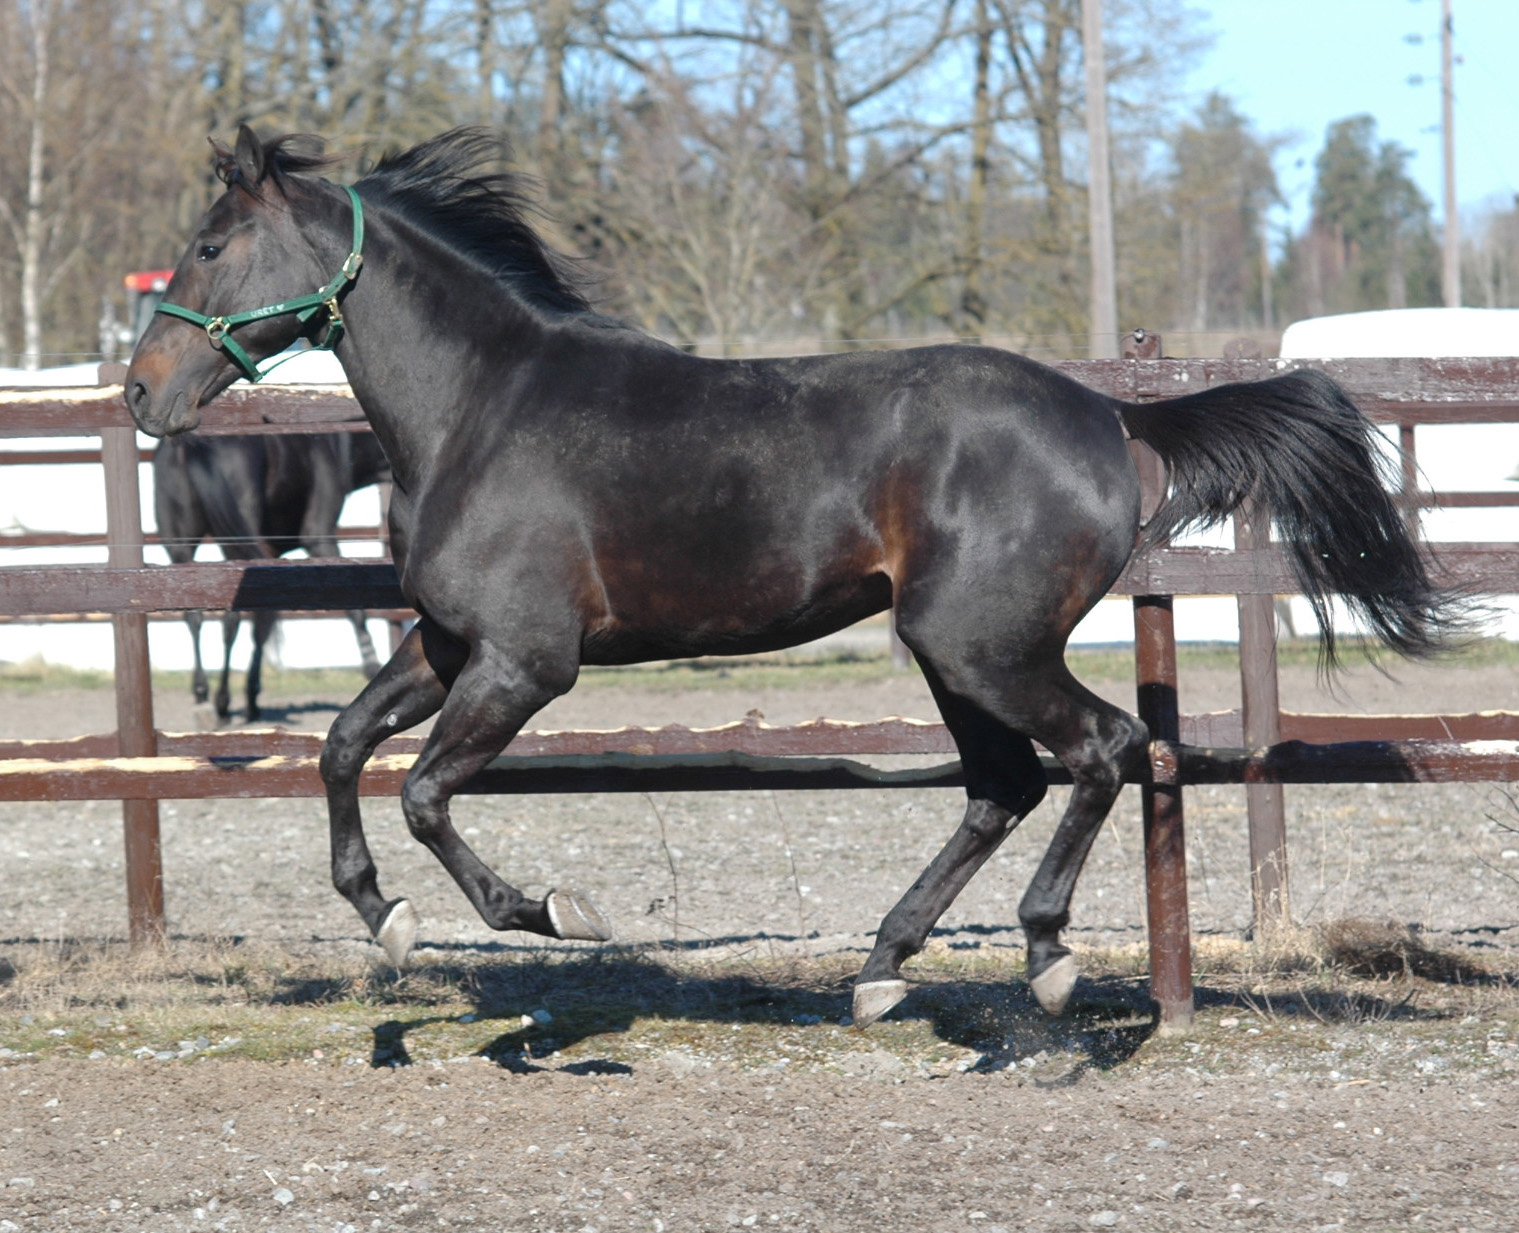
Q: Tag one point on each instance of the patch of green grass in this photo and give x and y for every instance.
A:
(36, 675)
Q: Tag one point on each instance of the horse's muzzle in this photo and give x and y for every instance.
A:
(161, 417)
(161, 408)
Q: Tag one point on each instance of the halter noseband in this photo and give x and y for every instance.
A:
(219, 329)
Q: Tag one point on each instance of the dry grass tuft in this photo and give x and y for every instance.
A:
(1386, 948)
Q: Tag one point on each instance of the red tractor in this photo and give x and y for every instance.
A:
(145, 290)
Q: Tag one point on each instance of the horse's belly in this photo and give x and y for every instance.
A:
(728, 616)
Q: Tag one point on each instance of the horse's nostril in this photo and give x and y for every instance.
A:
(138, 395)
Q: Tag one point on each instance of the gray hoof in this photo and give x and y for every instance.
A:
(1053, 986)
(874, 998)
(398, 931)
(575, 918)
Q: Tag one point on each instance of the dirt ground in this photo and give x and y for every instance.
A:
(1398, 1111)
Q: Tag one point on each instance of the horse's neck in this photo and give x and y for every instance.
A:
(415, 367)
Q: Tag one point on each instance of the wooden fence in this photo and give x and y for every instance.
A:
(1258, 746)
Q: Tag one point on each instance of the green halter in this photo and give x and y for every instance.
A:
(219, 329)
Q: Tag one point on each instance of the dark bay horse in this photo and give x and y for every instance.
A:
(258, 497)
(569, 490)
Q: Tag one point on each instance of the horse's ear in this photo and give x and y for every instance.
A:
(222, 161)
(249, 156)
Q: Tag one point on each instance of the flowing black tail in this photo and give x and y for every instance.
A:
(1299, 447)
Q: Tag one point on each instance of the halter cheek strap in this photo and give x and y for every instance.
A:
(305, 307)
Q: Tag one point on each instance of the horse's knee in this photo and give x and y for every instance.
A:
(344, 753)
(425, 810)
(1117, 749)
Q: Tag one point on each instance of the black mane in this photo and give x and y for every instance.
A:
(443, 187)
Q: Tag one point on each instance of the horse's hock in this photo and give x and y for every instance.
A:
(1258, 746)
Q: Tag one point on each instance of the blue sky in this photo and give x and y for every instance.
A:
(1296, 66)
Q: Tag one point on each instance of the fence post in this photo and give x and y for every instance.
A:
(1164, 833)
(1409, 473)
(1170, 928)
(1265, 803)
(135, 734)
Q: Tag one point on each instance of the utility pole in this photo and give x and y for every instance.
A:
(1104, 309)
(1268, 315)
(1450, 277)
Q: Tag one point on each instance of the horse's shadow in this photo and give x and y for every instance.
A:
(273, 714)
(600, 995)
(596, 994)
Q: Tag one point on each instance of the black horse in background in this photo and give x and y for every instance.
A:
(570, 490)
(258, 497)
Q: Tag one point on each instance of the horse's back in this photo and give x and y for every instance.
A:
(690, 504)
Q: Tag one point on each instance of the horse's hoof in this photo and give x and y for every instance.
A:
(398, 931)
(206, 719)
(874, 998)
(575, 918)
(1052, 987)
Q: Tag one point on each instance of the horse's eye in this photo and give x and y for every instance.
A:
(208, 252)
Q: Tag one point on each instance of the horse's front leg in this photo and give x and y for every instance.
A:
(231, 623)
(198, 687)
(411, 686)
(494, 695)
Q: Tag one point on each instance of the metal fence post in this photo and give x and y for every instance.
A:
(135, 734)
(1164, 832)
(1170, 928)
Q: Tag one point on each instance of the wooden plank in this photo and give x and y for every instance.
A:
(1417, 390)
(1225, 728)
(817, 738)
(1484, 568)
(328, 585)
(279, 585)
(72, 412)
(47, 458)
(96, 539)
(1431, 389)
(1354, 762)
(187, 777)
(191, 778)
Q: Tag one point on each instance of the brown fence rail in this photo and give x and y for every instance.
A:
(1258, 746)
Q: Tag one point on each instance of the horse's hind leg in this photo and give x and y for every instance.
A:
(992, 719)
(410, 686)
(263, 626)
(492, 698)
(358, 618)
(1100, 745)
(1004, 783)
